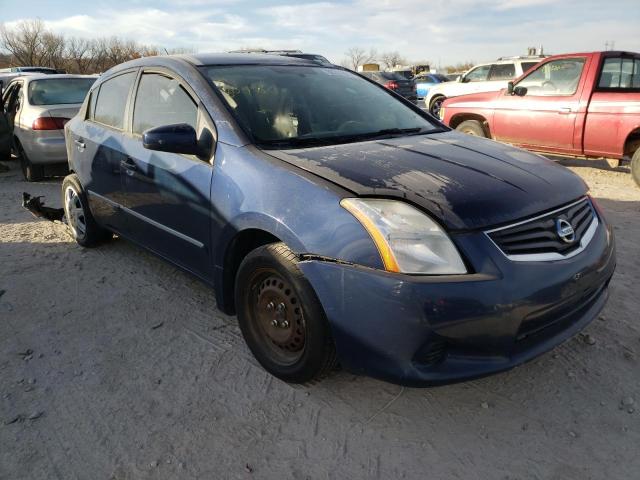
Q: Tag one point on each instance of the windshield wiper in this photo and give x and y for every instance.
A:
(303, 141)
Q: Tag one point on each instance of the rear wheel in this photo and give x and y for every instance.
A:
(436, 105)
(31, 172)
(472, 127)
(281, 318)
(80, 221)
(635, 167)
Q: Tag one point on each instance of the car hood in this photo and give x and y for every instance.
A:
(472, 99)
(465, 182)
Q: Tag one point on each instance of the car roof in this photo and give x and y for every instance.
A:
(245, 59)
(48, 76)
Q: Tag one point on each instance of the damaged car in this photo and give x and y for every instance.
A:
(337, 220)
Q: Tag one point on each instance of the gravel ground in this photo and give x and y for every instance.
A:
(116, 365)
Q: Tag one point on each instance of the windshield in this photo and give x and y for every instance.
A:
(56, 91)
(288, 106)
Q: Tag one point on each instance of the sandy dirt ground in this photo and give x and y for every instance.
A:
(116, 365)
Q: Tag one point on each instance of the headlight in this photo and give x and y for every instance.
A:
(407, 239)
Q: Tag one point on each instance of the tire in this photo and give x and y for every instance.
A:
(82, 225)
(635, 166)
(435, 105)
(472, 127)
(281, 318)
(31, 172)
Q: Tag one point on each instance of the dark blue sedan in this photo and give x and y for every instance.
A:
(341, 223)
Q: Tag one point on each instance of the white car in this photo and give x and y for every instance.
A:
(481, 78)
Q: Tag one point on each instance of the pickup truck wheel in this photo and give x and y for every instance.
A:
(472, 127)
(281, 318)
(80, 221)
(635, 167)
(436, 105)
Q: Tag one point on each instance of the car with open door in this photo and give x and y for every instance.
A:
(336, 219)
(34, 111)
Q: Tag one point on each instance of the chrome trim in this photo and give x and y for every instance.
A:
(169, 230)
(550, 256)
(583, 199)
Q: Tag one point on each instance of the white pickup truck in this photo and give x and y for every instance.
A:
(487, 77)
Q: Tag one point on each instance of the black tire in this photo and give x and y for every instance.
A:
(301, 351)
(31, 172)
(436, 104)
(635, 167)
(82, 225)
(472, 127)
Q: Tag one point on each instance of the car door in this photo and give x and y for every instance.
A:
(167, 195)
(11, 105)
(96, 145)
(545, 116)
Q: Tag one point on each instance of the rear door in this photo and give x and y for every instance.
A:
(546, 116)
(6, 126)
(97, 149)
(167, 195)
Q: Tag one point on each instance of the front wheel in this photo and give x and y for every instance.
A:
(472, 127)
(281, 318)
(80, 221)
(635, 166)
(436, 105)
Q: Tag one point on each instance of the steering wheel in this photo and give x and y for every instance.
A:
(349, 125)
(549, 86)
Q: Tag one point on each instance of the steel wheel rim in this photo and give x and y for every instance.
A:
(437, 105)
(277, 318)
(74, 211)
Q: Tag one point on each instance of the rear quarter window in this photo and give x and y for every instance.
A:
(620, 73)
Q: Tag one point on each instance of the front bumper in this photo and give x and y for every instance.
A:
(419, 331)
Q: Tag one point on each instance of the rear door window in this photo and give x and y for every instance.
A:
(161, 100)
(112, 100)
(526, 66)
(503, 71)
(620, 73)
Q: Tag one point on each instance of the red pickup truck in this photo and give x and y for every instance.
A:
(580, 104)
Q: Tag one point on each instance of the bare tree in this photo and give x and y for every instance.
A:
(391, 59)
(459, 67)
(78, 54)
(24, 42)
(356, 56)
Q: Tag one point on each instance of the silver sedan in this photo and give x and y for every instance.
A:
(35, 109)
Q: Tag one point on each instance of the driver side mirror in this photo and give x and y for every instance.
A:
(520, 91)
(462, 79)
(177, 138)
(510, 88)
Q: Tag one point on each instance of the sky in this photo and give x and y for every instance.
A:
(443, 32)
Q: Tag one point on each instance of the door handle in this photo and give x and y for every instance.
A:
(564, 110)
(80, 144)
(129, 166)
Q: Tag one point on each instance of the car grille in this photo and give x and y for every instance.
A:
(541, 238)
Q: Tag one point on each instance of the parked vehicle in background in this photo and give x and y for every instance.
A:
(31, 70)
(34, 111)
(337, 220)
(394, 81)
(582, 104)
(487, 77)
(425, 81)
(454, 76)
